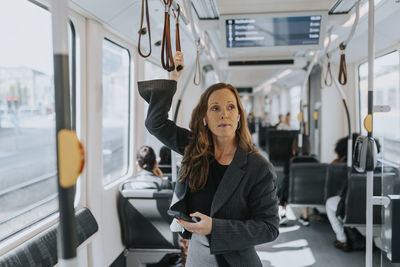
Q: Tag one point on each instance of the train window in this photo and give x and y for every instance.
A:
(116, 83)
(387, 92)
(28, 166)
(152, 71)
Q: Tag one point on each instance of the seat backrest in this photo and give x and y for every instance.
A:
(303, 159)
(335, 179)
(144, 219)
(279, 146)
(307, 183)
(355, 202)
(41, 250)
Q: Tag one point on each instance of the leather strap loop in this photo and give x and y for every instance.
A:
(177, 36)
(328, 75)
(197, 74)
(167, 59)
(342, 67)
(145, 5)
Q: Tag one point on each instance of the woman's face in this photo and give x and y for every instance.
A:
(222, 113)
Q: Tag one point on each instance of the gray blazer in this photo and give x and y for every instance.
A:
(244, 210)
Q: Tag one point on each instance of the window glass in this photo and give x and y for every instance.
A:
(386, 92)
(116, 82)
(152, 71)
(295, 105)
(28, 166)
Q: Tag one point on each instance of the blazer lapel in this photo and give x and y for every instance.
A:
(231, 179)
(179, 192)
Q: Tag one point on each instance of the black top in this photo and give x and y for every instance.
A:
(201, 200)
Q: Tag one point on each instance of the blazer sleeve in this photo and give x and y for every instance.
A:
(159, 94)
(232, 235)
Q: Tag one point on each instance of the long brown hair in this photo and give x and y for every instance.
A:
(195, 164)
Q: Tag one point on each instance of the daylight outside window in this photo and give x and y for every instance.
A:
(28, 163)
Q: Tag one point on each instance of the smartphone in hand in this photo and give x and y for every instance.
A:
(181, 216)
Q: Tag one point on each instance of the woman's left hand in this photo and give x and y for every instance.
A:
(202, 227)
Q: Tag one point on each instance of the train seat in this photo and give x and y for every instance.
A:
(335, 179)
(41, 250)
(279, 145)
(144, 221)
(307, 183)
(355, 202)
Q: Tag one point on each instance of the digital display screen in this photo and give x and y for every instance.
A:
(279, 31)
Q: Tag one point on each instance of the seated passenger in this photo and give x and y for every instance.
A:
(281, 120)
(150, 174)
(335, 207)
(286, 123)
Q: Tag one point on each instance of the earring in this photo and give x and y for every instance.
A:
(238, 125)
(239, 117)
(204, 122)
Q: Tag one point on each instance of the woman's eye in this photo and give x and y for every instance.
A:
(214, 108)
(231, 107)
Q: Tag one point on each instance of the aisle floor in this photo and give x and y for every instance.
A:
(299, 246)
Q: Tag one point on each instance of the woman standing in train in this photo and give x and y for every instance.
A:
(224, 181)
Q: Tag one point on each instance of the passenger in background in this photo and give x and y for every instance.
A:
(149, 174)
(251, 123)
(281, 120)
(165, 160)
(286, 123)
(225, 182)
(346, 238)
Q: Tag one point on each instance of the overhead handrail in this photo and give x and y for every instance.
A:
(145, 5)
(342, 46)
(301, 114)
(349, 136)
(167, 59)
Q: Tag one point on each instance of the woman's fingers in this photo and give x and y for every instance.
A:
(198, 215)
(178, 61)
(191, 227)
(202, 227)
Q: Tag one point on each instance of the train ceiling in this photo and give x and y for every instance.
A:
(124, 17)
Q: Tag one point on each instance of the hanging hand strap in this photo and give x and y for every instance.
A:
(167, 59)
(177, 36)
(197, 74)
(145, 4)
(328, 75)
(342, 69)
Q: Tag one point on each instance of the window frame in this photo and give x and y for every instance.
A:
(36, 227)
(116, 180)
(391, 49)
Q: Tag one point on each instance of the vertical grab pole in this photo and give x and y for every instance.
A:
(70, 157)
(369, 127)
